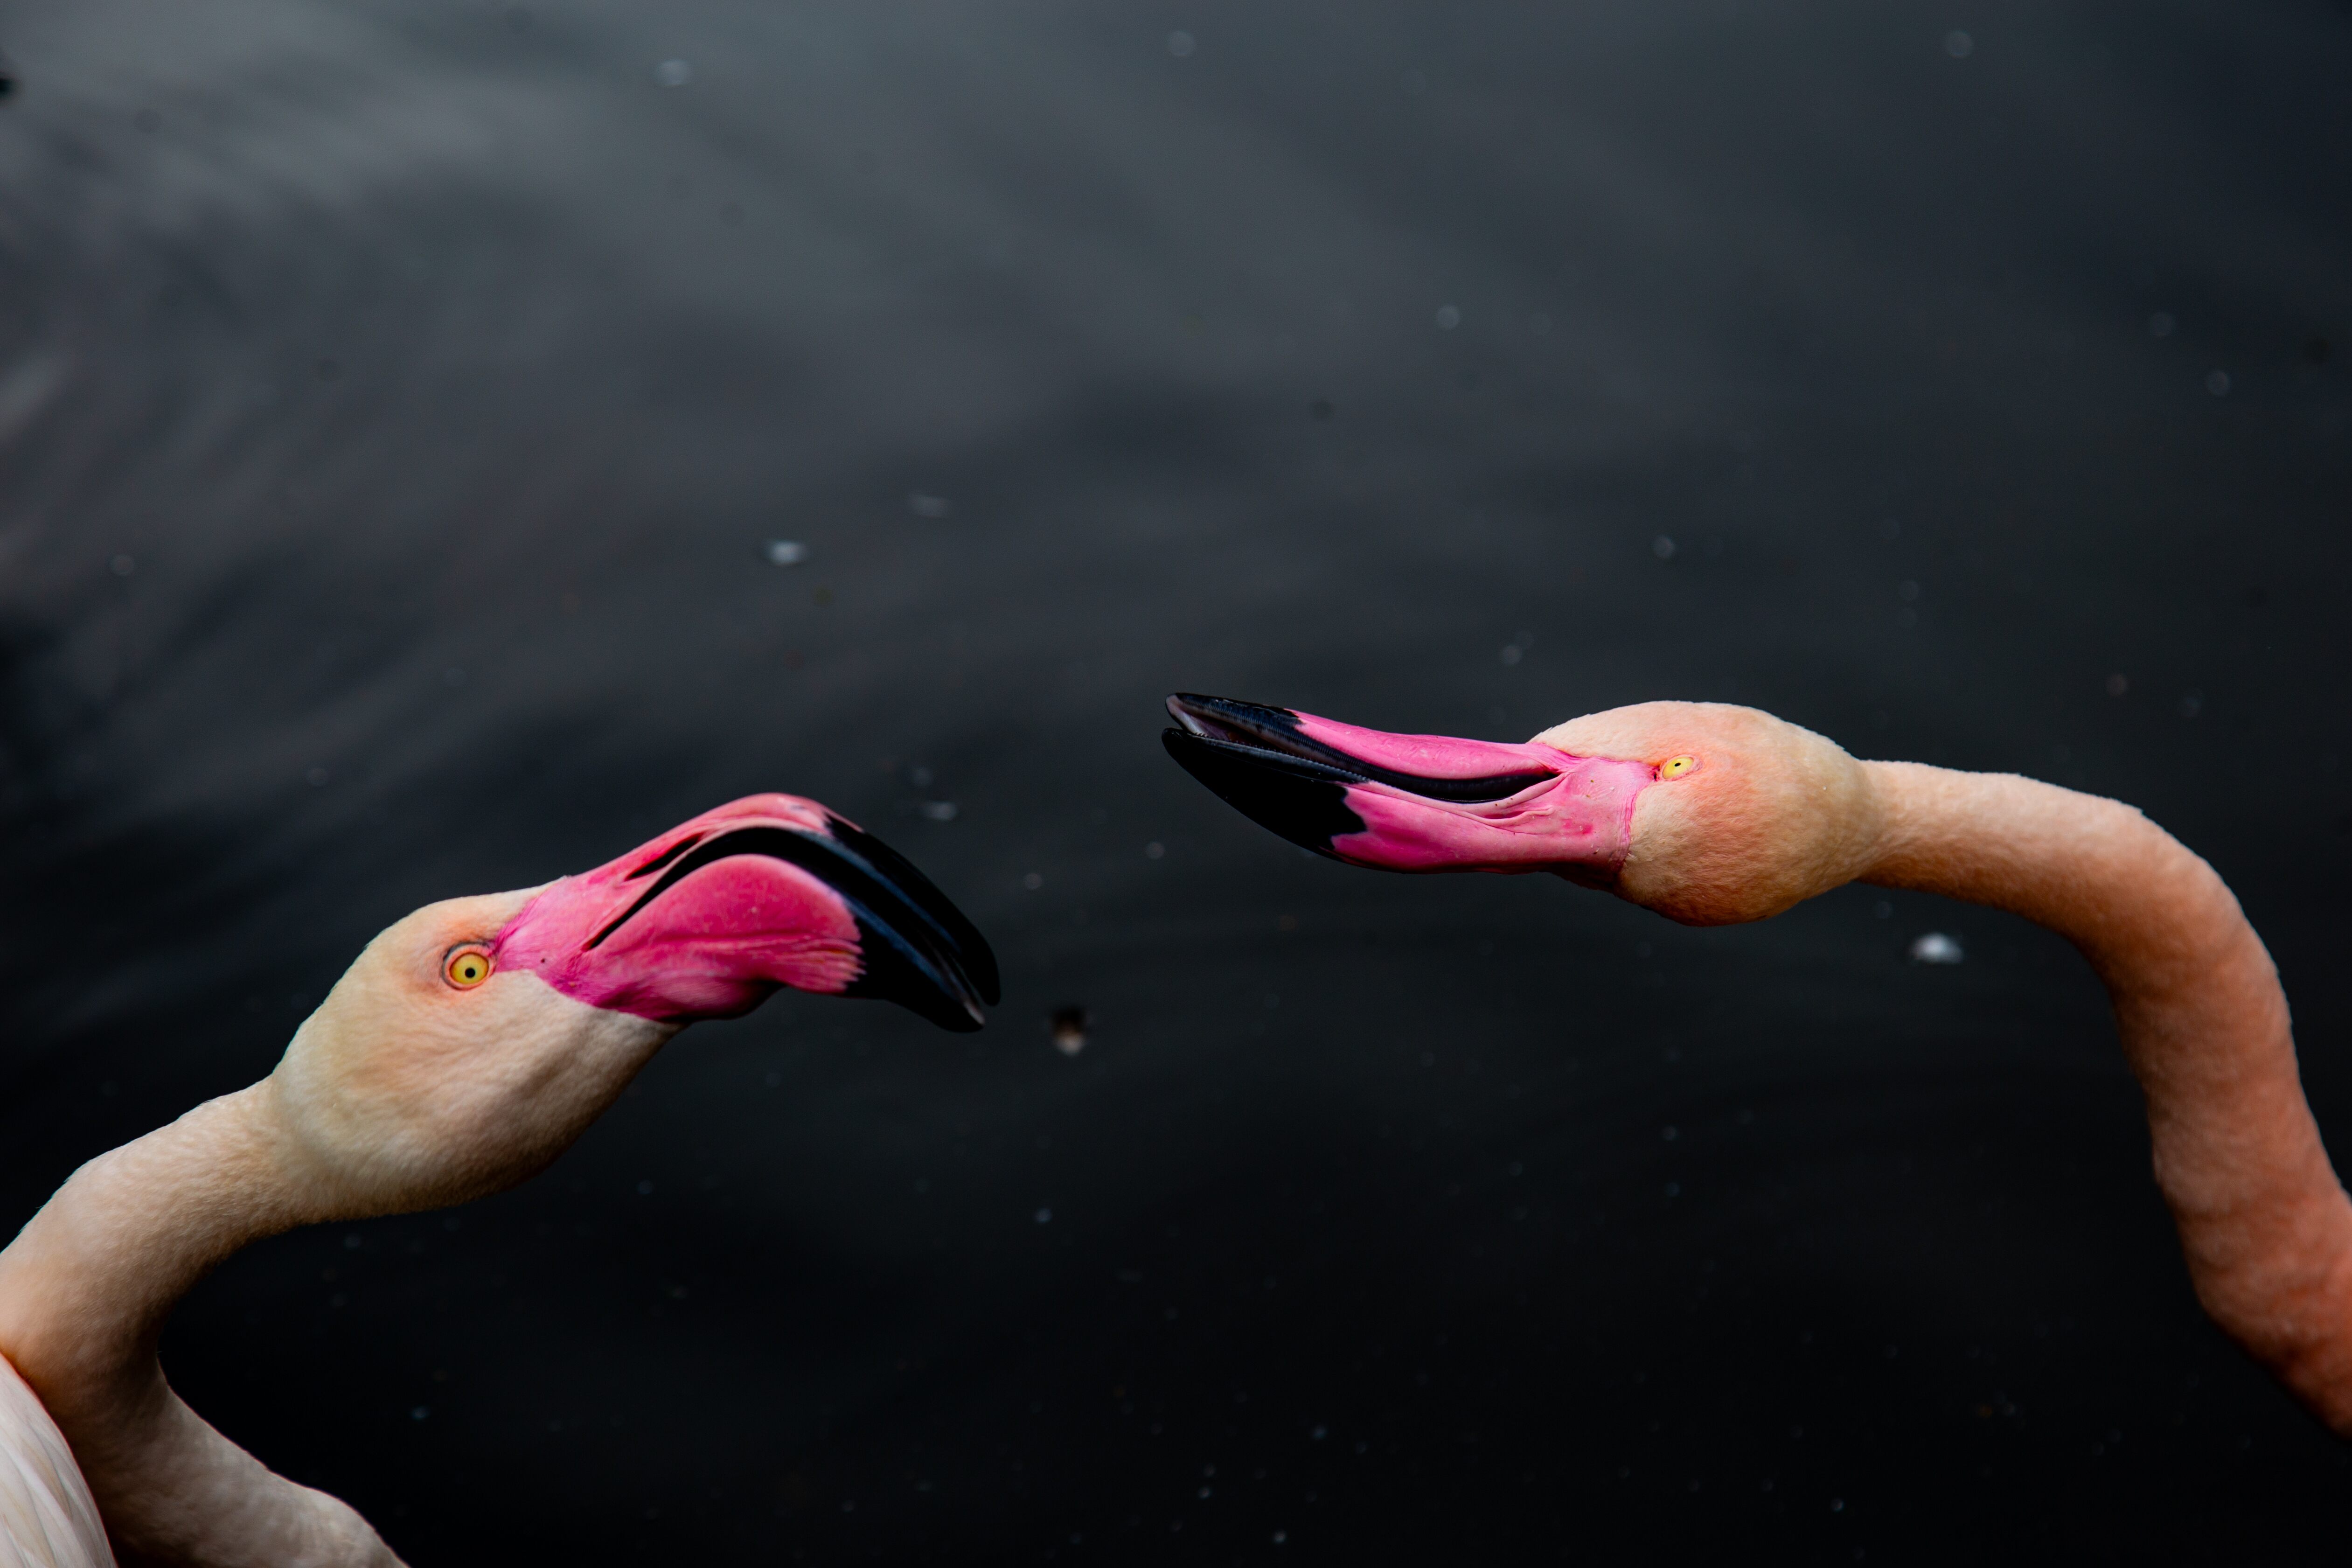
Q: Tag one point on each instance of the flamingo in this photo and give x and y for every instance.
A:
(469, 1044)
(1710, 814)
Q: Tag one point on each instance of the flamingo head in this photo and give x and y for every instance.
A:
(474, 1039)
(1706, 813)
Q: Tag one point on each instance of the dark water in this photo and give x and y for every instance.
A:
(398, 401)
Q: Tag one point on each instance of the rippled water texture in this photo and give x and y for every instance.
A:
(442, 443)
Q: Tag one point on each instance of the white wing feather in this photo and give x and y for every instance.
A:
(47, 1516)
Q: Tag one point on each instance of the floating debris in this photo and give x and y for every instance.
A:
(786, 552)
(1069, 1029)
(1936, 948)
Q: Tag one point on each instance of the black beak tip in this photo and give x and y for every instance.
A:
(929, 984)
(1282, 796)
(920, 949)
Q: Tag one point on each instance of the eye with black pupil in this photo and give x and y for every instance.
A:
(466, 969)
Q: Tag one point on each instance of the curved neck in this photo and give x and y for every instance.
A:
(84, 1291)
(2265, 1225)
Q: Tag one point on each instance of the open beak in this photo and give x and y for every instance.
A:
(1409, 803)
(708, 919)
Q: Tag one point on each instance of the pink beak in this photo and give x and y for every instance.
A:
(1411, 802)
(770, 890)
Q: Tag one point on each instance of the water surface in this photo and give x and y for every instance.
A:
(400, 405)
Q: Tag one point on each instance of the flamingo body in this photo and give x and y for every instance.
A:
(48, 1519)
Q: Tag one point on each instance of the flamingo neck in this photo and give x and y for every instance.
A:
(2265, 1225)
(84, 1293)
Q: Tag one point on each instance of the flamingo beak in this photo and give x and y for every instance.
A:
(1409, 803)
(712, 918)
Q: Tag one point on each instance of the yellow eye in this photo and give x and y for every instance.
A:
(1676, 767)
(467, 967)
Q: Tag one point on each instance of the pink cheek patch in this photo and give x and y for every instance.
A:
(715, 945)
(1581, 819)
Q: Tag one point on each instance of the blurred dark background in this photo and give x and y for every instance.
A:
(407, 416)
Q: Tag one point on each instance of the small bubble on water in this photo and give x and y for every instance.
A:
(1935, 947)
(1154, 850)
(786, 552)
(1448, 317)
(939, 810)
(2191, 704)
(644, 1189)
(1663, 548)
(673, 73)
(1512, 653)
(1034, 880)
(122, 565)
(1043, 1217)
(922, 505)
(2217, 383)
(1958, 45)
(1182, 44)
(2160, 325)
(2117, 685)
(419, 1412)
